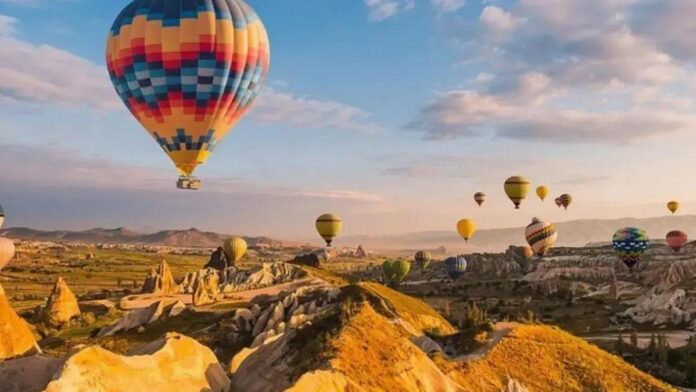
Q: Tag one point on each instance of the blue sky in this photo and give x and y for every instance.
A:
(392, 113)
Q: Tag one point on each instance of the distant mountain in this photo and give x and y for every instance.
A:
(571, 233)
(188, 238)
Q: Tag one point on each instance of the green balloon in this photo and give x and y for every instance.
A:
(395, 271)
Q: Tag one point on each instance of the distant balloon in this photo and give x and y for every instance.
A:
(522, 255)
(455, 267)
(423, 259)
(466, 228)
(517, 189)
(2, 217)
(480, 198)
(566, 200)
(7, 252)
(395, 271)
(235, 248)
(542, 192)
(676, 240)
(188, 71)
(329, 227)
(630, 243)
(673, 206)
(541, 236)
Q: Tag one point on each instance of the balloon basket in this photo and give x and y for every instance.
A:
(188, 183)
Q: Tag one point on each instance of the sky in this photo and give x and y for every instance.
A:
(390, 113)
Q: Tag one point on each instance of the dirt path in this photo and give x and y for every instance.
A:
(140, 301)
(495, 338)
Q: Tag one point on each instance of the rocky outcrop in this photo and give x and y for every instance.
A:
(173, 363)
(28, 374)
(160, 281)
(61, 306)
(218, 260)
(141, 317)
(233, 279)
(98, 306)
(313, 259)
(206, 288)
(16, 337)
(514, 386)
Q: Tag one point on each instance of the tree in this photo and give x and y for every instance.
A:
(634, 339)
(620, 344)
(652, 347)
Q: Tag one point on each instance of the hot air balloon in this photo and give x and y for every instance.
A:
(673, 206)
(630, 243)
(7, 252)
(676, 240)
(542, 192)
(516, 189)
(541, 236)
(188, 71)
(2, 217)
(566, 200)
(455, 267)
(559, 202)
(522, 255)
(480, 198)
(466, 228)
(395, 271)
(329, 227)
(235, 248)
(423, 259)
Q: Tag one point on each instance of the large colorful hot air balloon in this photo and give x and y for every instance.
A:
(559, 202)
(676, 240)
(566, 200)
(2, 217)
(188, 71)
(423, 259)
(542, 192)
(329, 227)
(235, 248)
(517, 189)
(455, 267)
(466, 228)
(673, 206)
(7, 252)
(541, 236)
(630, 243)
(395, 271)
(480, 198)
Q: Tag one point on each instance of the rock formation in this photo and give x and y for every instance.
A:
(160, 281)
(232, 279)
(61, 306)
(141, 317)
(28, 374)
(206, 288)
(16, 337)
(218, 260)
(173, 363)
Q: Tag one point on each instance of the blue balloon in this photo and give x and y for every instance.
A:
(455, 267)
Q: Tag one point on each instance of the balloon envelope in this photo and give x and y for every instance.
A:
(455, 267)
(480, 198)
(541, 236)
(673, 206)
(329, 226)
(423, 259)
(517, 188)
(395, 271)
(466, 228)
(676, 240)
(542, 192)
(566, 200)
(188, 71)
(235, 248)
(559, 202)
(7, 252)
(630, 243)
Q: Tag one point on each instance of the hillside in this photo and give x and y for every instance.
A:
(571, 233)
(179, 238)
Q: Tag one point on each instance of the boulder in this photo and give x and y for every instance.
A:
(16, 337)
(61, 306)
(160, 281)
(173, 363)
(28, 374)
(207, 288)
(99, 306)
(313, 259)
(140, 317)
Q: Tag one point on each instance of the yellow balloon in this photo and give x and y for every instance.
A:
(542, 192)
(466, 228)
(673, 206)
(329, 227)
(517, 188)
(235, 248)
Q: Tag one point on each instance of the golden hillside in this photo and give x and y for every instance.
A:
(371, 351)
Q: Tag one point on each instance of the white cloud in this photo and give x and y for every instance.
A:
(447, 6)
(380, 10)
(498, 21)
